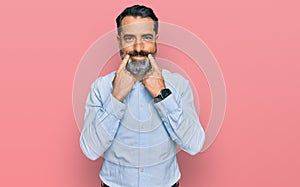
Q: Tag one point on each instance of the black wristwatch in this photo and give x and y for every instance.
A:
(163, 94)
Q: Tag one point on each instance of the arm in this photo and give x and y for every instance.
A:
(176, 111)
(181, 120)
(101, 121)
(102, 115)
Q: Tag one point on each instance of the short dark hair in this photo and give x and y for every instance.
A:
(137, 10)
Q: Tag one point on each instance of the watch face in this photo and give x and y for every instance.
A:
(165, 93)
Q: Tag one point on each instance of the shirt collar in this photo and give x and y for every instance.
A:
(138, 84)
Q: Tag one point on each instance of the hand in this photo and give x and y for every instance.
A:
(154, 81)
(123, 81)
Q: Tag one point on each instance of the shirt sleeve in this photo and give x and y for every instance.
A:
(101, 121)
(181, 120)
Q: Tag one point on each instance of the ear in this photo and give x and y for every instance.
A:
(156, 36)
(119, 40)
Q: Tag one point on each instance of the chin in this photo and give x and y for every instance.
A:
(138, 67)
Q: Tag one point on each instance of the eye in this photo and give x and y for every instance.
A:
(148, 38)
(128, 38)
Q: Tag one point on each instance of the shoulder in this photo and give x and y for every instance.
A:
(104, 81)
(175, 80)
(102, 86)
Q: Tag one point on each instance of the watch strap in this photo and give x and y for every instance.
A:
(163, 94)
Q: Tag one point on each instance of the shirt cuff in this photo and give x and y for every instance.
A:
(114, 107)
(166, 106)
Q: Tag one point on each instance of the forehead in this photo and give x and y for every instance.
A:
(137, 25)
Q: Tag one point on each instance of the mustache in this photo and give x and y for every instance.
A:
(139, 53)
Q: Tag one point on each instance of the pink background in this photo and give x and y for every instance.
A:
(256, 44)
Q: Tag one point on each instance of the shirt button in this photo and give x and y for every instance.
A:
(142, 105)
(142, 169)
(142, 126)
(122, 111)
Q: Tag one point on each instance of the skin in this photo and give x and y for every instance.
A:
(137, 34)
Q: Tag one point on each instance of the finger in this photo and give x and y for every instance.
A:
(154, 77)
(148, 75)
(152, 61)
(123, 63)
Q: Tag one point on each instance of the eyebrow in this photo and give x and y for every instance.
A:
(143, 35)
(128, 35)
(132, 35)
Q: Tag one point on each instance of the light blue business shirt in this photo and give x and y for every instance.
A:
(138, 137)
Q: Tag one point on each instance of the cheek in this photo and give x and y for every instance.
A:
(126, 50)
(127, 47)
(150, 47)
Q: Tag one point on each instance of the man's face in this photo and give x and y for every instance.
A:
(137, 39)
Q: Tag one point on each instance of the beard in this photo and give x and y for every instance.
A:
(139, 67)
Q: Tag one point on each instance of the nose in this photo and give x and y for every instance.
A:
(138, 45)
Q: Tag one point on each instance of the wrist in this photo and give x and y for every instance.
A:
(158, 92)
(117, 97)
(164, 93)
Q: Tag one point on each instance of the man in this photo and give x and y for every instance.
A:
(136, 115)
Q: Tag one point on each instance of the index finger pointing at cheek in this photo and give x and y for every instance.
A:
(152, 61)
(123, 63)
